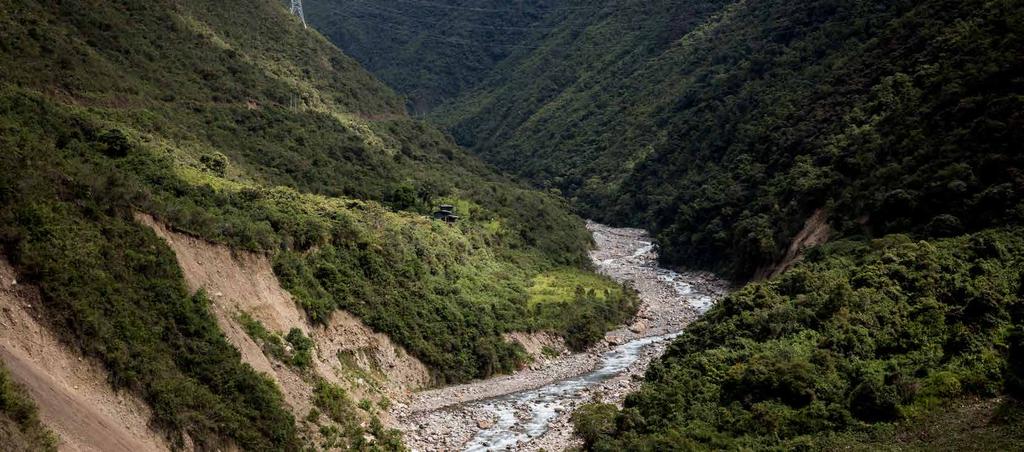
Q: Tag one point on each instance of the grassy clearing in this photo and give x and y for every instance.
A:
(562, 285)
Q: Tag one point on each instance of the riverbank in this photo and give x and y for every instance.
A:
(530, 409)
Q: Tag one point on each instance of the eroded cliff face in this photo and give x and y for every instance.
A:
(346, 352)
(86, 413)
(72, 393)
(816, 231)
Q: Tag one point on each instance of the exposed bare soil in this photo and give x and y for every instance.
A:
(816, 231)
(238, 282)
(73, 395)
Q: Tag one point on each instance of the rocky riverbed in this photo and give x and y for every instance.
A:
(530, 409)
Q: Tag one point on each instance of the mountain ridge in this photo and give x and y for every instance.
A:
(720, 101)
(232, 123)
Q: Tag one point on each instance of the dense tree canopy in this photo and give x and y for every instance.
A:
(430, 51)
(722, 126)
(859, 335)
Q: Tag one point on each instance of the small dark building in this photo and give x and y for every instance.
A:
(446, 213)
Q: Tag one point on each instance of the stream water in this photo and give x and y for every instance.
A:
(624, 255)
(544, 404)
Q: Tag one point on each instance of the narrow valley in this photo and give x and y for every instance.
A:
(531, 409)
(492, 225)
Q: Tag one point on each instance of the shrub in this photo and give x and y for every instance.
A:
(216, 162)
(115, 144)
(302, 348)
(20, 426)
(594, 422)
(859, 336)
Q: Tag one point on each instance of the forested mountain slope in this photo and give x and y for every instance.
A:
(232, 123)
(429, 51)
(723, 125)
(873, 345)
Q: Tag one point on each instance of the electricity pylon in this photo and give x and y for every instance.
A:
(297, 10)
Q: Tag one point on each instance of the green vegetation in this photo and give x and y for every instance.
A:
(335, 403)
(859, 336)
(428, 51)
(298, 352)
(20, 427)
(114, 290)
(561, 285)
(581, 306)
(270, 342)
(253, 177)
(302, 348)
(721, 126)
(584, 319)
(960, 425)
(366, 405)
(549, 352)
(251, 131)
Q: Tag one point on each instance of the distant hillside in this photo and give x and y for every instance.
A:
(429, 51)
(723, 125)
(231, 123)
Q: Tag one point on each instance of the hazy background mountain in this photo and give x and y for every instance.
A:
(430, 51)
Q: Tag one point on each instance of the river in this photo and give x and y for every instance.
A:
(530, 410)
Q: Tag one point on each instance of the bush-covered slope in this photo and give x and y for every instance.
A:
(722, 125)
(113, 289)
(429, 51)
(229, 121)
(583, 75)
(20, 427)
(860, 335)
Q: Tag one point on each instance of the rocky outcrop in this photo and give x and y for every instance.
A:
(346, 335)
(540, 345)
